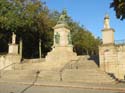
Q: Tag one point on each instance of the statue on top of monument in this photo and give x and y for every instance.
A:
(106, 22)
(13, 38)
(63, 17)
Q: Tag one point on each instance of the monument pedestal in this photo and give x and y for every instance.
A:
(61, 54)
(59, 57)
(13, 49)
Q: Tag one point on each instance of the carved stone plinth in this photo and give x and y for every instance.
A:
(13, 49)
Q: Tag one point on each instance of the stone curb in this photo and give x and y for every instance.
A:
(70, 86)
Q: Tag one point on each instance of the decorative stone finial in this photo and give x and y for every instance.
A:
(13, 38)
(63, 17)
(106, 16)
(106, 22)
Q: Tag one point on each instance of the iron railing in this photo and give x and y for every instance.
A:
(119, 42)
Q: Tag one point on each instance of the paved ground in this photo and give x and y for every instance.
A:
(60, 87)
(18, 88)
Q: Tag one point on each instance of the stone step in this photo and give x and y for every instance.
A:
(89, 81)
(30, 74)
(81, 75)
(88, 72)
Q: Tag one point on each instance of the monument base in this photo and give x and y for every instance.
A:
(59, 57)
(13, 49)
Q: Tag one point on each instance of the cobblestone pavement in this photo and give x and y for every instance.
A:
(18, 88)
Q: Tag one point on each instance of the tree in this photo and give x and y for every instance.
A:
(33, 21)
(30, 21)
(119, 8)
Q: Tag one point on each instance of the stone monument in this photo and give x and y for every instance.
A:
(62, 49)
(12, 57)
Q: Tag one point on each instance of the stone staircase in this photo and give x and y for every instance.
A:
(80, 71)
(86, 71)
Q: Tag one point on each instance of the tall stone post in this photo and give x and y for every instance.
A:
(21, 47)
(40, 54)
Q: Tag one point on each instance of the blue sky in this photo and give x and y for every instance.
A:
(90, 13)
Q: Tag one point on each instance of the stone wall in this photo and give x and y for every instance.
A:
(112, 59)
(2, 60)
(9, 61)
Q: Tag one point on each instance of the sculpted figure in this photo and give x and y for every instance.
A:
(13, 38)
(57, 38)
(62, 18)
(69, 39)
(106, 22)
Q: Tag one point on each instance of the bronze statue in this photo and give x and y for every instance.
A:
(13, 38)
(63, 17)
(69, 39)
(57, 38)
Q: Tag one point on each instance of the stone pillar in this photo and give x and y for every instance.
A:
(107, 32)
(40, 53)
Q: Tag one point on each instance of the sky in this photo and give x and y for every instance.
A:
(90, 13)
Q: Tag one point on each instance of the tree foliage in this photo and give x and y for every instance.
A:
(32, 21)
(119, 8)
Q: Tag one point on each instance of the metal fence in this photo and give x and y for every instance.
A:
(119, 42)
